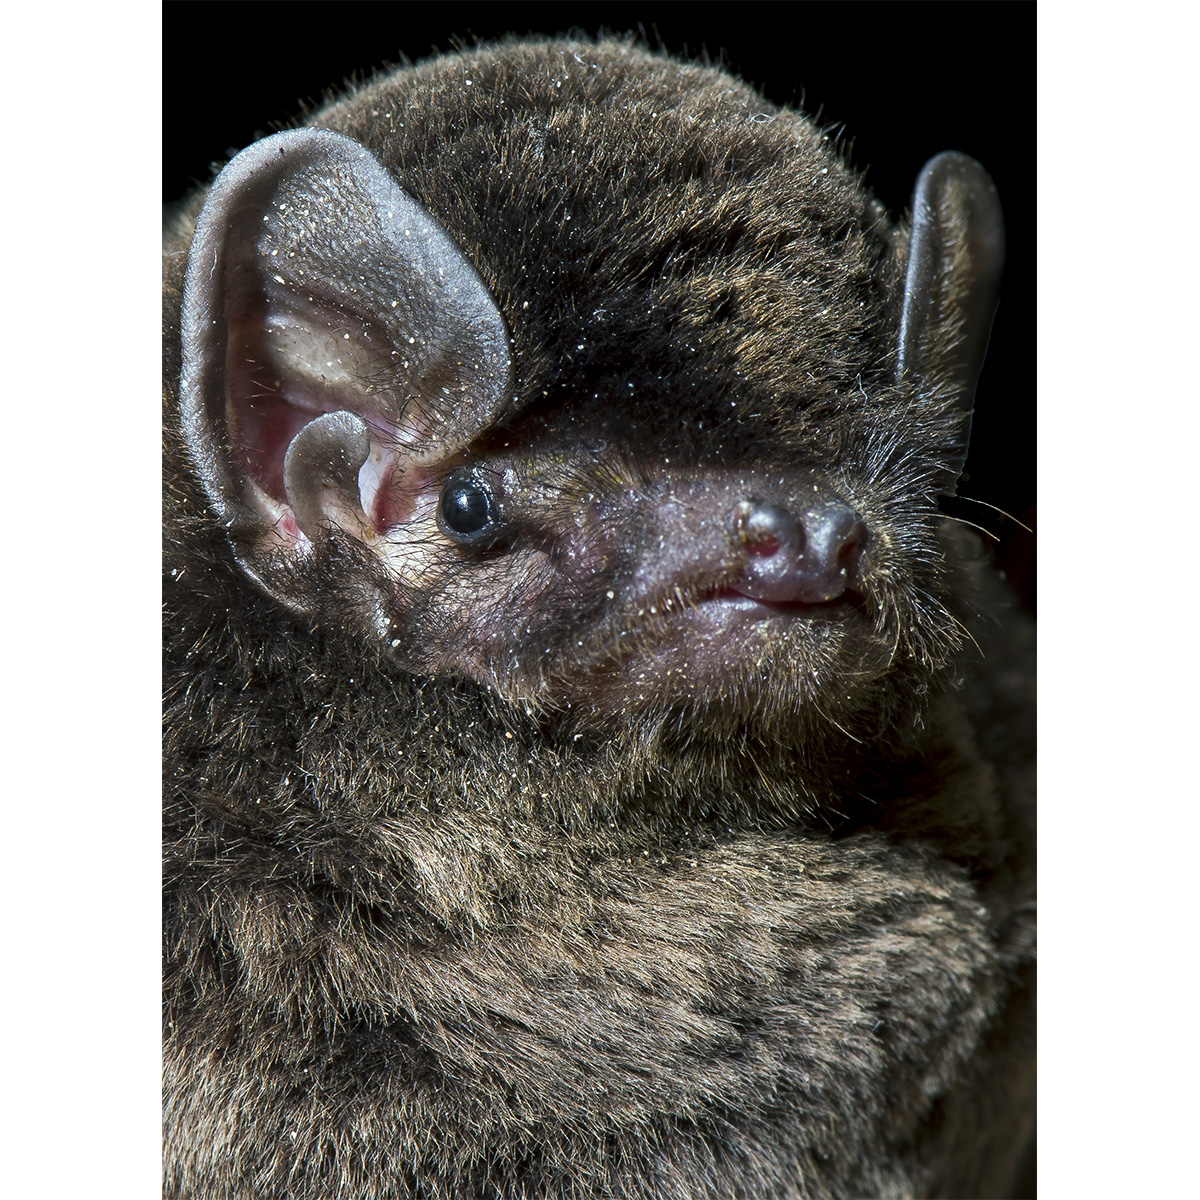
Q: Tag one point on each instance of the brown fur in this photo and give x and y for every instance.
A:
(430, 938)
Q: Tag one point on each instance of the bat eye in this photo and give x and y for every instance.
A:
(468, 512)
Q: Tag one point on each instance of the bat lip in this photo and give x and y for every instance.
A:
(835, 608)
(718, 610)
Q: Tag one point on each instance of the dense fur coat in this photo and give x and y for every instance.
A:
(477, 907)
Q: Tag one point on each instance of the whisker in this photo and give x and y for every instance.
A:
(971, 524)
(1001, 511)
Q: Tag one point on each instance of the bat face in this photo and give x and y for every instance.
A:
(599, 440)
(577, 779)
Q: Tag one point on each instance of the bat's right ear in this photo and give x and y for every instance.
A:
(337, 344)
(951, 284)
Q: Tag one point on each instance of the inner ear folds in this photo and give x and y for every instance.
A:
(334, 339)
(951, 285)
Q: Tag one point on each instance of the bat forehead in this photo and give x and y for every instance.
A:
(637, 218)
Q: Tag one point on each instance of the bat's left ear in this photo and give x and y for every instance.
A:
(955, 257)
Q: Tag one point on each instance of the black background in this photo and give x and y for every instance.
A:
(904, 81)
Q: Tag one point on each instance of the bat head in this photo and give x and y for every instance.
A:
(601, 389)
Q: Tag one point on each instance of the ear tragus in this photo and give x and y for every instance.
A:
(330, 327)
(320, 474)
(955, 257)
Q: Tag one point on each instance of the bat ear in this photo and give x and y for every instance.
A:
(336, 344)
(955, 257)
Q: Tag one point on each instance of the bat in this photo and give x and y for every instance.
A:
(594, 763)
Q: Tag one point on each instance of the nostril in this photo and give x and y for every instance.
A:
(851, 548)
(765, 528)
(837, 537)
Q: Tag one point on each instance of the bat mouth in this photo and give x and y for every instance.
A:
(838, 608)
(725, 603)
(713, 644)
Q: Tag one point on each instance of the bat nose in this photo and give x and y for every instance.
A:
(798, 557)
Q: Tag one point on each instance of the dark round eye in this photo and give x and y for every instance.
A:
(467, 512)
